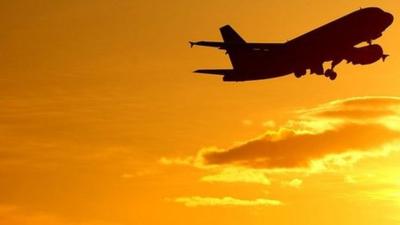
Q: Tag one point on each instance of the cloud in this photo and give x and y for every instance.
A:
(356, 125)
(244, 175)
(338, 133)
(269, 124)
(357, 109)
(331, 137)
(296, 183)
(298, 150)
(225, 201)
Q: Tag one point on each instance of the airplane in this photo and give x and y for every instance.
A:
(333, 42)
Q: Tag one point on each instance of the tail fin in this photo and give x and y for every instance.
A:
(235, 54)
(230, 36)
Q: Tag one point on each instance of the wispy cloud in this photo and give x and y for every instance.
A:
(225, 201)
(235, 174)
(296, 183)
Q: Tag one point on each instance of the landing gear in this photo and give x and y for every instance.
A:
(331, 74)
(317, 69)
(300, 73)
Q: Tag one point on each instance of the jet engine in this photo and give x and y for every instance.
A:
(365, 55)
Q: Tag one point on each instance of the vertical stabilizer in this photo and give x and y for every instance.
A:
(230, 36)
(236, 53)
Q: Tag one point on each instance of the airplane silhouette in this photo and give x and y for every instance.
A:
(334, 42)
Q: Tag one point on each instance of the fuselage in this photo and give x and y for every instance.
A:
(323, 44)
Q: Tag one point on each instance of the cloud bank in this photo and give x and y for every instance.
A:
(328, 137)
(348, 129)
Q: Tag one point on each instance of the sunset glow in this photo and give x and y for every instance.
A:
(102, 121)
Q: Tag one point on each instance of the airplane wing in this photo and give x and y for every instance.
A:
(225, 45)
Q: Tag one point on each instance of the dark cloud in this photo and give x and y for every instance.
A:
(316, 134)
(337, 133)
(296, 150)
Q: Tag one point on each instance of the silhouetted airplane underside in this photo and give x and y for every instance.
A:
(333, 42)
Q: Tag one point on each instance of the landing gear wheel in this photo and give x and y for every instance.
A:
(300, 73)
(328, 72)
(333, 76)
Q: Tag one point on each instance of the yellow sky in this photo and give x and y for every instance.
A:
(102, 121)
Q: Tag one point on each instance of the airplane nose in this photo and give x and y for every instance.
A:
(389, 18)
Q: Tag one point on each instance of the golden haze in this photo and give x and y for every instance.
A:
(103, 123)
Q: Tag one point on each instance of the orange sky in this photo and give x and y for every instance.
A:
(103, 122)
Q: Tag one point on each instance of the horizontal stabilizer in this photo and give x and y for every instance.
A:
(215, 71)
(227, 46)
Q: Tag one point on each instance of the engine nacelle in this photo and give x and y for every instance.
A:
(365, 55)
